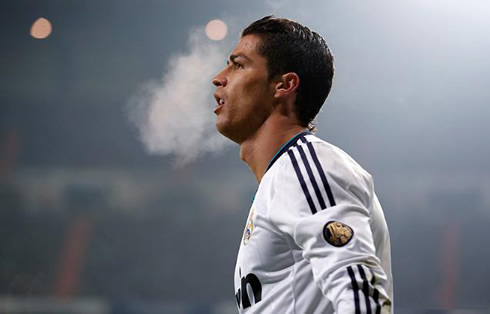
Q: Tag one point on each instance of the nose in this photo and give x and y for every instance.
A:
(219, 80)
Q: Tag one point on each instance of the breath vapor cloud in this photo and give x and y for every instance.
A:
(174, 116)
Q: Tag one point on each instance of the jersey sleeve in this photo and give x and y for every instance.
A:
(322, 199)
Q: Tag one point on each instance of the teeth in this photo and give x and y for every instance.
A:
(221, 102)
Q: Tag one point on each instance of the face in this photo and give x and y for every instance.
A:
(244, 94)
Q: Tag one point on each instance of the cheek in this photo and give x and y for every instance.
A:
(260, 97)
(251, 98)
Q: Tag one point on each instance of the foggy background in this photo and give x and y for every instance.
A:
(117, 195)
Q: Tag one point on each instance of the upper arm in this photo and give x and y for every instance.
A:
(323, 200)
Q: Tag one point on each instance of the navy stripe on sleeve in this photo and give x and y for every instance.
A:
(322, 174)
(312, 178)
(355, 288)
(376, 300)
(365, 288)
(375, 293)
(302, 181)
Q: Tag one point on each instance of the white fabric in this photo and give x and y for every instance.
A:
(284, 259)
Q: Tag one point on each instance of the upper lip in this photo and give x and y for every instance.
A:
(218, 98)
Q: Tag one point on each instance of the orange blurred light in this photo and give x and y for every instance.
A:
(216, 30)
(41, 28)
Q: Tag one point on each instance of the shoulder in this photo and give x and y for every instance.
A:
(319, 156)
(311, 176)
(321, 173)
(337, 162)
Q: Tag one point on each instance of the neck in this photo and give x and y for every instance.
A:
(259, 149)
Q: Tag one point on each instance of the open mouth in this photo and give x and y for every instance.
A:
(220, 103)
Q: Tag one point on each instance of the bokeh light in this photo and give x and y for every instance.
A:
(216, 30)
(41, 28)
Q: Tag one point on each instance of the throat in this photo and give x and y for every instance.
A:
(254, 154)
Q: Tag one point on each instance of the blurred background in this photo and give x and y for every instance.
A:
(117, 195)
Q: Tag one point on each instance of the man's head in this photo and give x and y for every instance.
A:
(291, 47)
(278, 68)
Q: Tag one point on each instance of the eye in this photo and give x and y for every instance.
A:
(234, 65)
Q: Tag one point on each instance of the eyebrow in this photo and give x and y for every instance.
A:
(233, 57)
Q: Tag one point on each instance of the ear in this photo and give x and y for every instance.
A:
(287, 85)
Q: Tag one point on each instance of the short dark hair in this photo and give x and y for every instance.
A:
(291, 47)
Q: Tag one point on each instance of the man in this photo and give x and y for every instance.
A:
(316, 240)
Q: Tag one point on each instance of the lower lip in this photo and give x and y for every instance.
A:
(218, 108)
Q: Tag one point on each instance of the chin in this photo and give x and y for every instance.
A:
(222, 128)
(225, 130)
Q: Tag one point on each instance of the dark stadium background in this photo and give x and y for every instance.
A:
(91, 223)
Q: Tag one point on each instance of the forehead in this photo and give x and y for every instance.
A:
(248, 47)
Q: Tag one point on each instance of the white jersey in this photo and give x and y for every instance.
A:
(316, 240)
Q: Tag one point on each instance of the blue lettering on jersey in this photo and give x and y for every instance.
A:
(241, 296)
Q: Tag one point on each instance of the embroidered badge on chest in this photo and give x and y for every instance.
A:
(249, 228)
(337, 233)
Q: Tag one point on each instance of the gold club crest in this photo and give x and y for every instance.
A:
(337, 233)
(249, 228)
